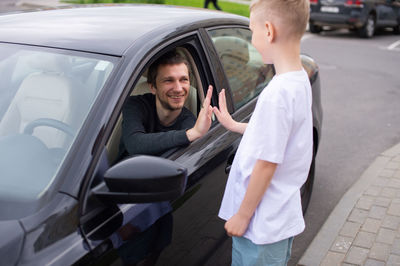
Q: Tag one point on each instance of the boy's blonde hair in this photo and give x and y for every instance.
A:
(291, 15)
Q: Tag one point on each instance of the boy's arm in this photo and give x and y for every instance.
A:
(259, 182)
(225, 118)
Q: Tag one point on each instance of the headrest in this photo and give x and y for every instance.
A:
(46, 62)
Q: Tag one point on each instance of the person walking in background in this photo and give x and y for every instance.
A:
(214, 3)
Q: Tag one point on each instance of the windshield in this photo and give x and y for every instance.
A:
(45, 96)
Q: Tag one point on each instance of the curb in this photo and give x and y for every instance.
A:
(322, 242)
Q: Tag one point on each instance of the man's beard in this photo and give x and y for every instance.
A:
(166, 105)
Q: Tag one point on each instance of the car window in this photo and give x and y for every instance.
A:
(247, 74)
(45, 97)
(192, 103)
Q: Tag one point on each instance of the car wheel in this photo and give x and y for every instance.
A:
(314, 28)
(307, 187)
(367, 31)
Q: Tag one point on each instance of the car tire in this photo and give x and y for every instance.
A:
(368, 30)
(314, 28)
(306, 189)
(396, 30)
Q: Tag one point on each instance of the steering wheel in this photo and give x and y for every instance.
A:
(48, 122)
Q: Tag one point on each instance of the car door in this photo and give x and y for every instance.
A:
(386, 12)
(199, 237)
(100, 221)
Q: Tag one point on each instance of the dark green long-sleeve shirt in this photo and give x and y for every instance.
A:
(142, 132)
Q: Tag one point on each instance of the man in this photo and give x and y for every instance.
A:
(155, 122)
(152, 124)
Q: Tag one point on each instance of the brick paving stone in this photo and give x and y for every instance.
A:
(387, 173)
(388, 192)
(332, 259)
(396, 159)
(396, 247)
(386, 236)
(393, 260)
(365, 202)
(380, 251)
(373, 191)
(381, 181)
(356, 255)
(393, 165)
(397, 174)
(391, 222)
(377, 212)
(394, 208)
(350, 229)
(371, 262)
(371, 225)
(358, 215)
(393, 183)
(381, 201)
(342, 244)
(364, 239)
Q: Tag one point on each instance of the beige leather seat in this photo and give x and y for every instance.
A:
(47, 93)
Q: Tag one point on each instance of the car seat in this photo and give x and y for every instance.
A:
(48, 93)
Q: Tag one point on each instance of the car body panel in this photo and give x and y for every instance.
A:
(336, 13)
(89, 29)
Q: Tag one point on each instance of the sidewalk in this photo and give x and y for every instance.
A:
(364, 228)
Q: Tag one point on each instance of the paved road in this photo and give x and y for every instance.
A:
(361, 101)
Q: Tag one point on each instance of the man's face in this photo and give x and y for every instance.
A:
(172, 86)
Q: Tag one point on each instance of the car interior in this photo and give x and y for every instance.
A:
(196, 97)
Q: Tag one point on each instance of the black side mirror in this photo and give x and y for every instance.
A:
(142, 179)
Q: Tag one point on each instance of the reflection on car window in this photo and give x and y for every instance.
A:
(44, 99)
(243, 65)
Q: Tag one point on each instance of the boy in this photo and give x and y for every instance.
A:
(262, 203)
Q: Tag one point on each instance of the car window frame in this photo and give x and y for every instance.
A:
(86, 188)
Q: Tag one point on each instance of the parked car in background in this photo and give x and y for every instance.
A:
(65, 76)
(363, 16)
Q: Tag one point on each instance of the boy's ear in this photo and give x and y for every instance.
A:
(270, 31)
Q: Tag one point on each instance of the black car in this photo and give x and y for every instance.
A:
(364, 16)
(65, 76)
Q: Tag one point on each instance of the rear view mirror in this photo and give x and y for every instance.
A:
(142, 179)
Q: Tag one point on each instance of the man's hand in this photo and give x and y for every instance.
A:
(237, 225)
(225, 118)
(203, 122)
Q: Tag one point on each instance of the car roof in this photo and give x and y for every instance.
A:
(105, 29)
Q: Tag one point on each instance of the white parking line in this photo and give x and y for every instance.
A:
(394, 45)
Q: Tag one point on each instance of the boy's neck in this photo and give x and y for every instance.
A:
(287, 58)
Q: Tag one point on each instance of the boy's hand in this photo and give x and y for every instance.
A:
(225, 118)
(237, 225)
(222, 113)
(203, 122)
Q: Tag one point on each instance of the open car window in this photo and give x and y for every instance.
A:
(192, 103)
(45, 97)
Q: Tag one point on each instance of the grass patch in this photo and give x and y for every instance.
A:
(234, 8)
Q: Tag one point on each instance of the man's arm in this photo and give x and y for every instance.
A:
(225, 118)
(136, 114)
(260, 179)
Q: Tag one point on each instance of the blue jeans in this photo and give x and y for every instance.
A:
(246, 253)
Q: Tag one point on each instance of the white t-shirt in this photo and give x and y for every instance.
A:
(279, 131)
